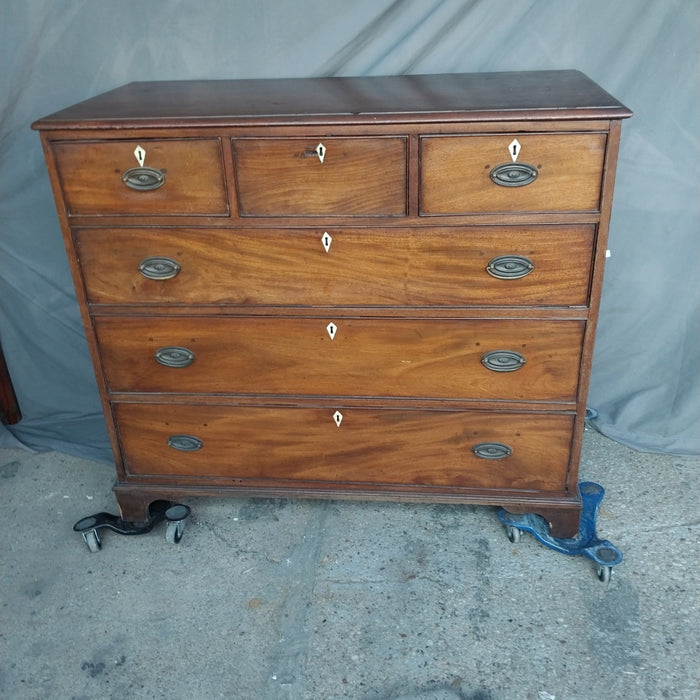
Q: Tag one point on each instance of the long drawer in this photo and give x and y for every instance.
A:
(392, 357)
(169, 177)
(550, 173)
(505, 266)
(343, 444)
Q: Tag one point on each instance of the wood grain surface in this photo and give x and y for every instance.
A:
(433, 358)
(91, 174)
(284, 177)
(413, 447)
(455, 173)
(363, 266)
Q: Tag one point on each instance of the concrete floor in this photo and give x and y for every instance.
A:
(268, 599)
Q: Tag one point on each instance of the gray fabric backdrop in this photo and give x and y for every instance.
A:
(56, 52)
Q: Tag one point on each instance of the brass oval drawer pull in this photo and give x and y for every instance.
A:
(510, 267)
(174, 356)
(143, 178)
(185, 443)
(503, 360)
(159, 268)
(514, 174)
(492, 450)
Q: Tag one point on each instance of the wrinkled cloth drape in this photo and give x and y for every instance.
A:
(646, 380)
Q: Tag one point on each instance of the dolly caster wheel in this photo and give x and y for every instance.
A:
(513, 533)
(92, 540)
(604, 573)
(175, 515)
(173, 533)
(586, 542)
(158, 512)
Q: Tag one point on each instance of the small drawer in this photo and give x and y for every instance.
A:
(170, 177)
(479, 174)
(321, 176)
(519, 360)
(338, 444)
(504, 266)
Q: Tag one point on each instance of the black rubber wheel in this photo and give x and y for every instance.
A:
(173, 533)
(92, 540)
(604, 573)
(513, 533)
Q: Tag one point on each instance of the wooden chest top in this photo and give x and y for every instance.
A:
(509, 96)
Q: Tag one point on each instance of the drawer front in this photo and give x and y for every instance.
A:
(432, 358)
(288, 177)
(108, 177)
(347, 445)
(473, 174)
(518, 266)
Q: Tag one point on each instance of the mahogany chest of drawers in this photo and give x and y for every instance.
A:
(342, 287)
